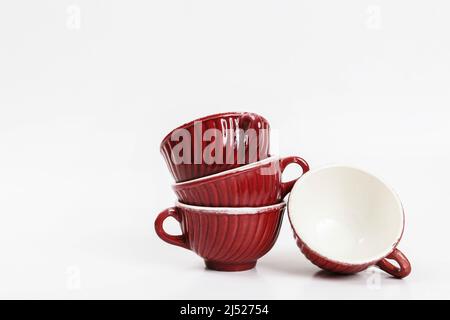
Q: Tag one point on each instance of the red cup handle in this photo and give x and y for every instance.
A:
(404, 268)
(246, 120)
(286, 187)
(175, 240)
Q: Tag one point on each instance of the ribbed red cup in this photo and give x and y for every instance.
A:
(228, 239)
(243, 137)
(254, 185)
(346, 220)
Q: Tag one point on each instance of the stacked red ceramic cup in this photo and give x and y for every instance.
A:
(230, 190)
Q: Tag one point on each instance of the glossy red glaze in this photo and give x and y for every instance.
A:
(228, 239)
(322, 262)
(229, 125)
(257, 184)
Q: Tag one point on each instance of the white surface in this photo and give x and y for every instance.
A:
(84, 106)
(346, 214)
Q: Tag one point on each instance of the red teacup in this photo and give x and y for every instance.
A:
(215, 143)
(254, 185)
(228, 239)
(346, 220)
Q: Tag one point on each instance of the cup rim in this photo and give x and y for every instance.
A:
(205, 118)
(231, 210)
(371, 260)
(226, 172)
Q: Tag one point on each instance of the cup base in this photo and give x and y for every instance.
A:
(220, 266)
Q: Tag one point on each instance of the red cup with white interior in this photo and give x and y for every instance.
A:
(253, 185)
(228, 239)
(346, 220)
(215, 143)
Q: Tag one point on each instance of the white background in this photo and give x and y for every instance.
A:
(89, 88)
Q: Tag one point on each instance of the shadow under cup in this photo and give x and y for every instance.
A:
(228, 239)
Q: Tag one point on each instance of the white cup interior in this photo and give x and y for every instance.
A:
(345, 214)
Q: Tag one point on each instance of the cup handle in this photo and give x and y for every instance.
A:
(175, 240)
(404, 268)
(286, 187)
(247, 120)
